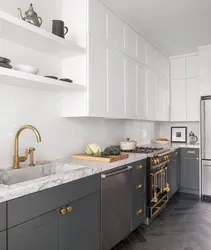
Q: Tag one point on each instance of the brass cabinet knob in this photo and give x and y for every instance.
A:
(69, 209)
(63, 211)
(139, 212)
(140, 167)
(197, 158)
(139, 186)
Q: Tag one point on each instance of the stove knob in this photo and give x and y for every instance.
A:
(158, 161)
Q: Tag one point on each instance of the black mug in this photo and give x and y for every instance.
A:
(59, 29)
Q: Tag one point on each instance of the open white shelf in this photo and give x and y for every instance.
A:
(28, 35)
(22, 79)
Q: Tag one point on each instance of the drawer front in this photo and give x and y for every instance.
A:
(2, 216)
(31, 206)
(189, 152)
(138, 208)
(139, 169)
(175, 154)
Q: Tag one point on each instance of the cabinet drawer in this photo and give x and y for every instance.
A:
(31, 206)
(189, 152)
(138, 209)
(2, 216)
(139, 169)
(175, 154)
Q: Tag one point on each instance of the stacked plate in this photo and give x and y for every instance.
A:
(5, 62)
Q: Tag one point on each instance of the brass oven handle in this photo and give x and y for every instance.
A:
(139, 212)
(139, 186)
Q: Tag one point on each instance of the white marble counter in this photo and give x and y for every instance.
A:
(65, 170)
(184, 145)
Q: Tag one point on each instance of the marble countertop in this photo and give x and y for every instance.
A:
(64, 171)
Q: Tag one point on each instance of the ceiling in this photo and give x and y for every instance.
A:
(174, 26)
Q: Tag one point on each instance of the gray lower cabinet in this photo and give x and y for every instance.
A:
(174, 173)
(2, 216)
(3, 240)
(79, 229)
(39, 233)
(138, 193)
(189, 173)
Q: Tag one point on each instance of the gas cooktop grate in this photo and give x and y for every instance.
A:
(143, 150)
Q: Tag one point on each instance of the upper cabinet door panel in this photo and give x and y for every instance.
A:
(192, 64)
(116, 83)
(178, 68)
(97, 20)
(162, 64)
(115, 31)
(151, 55)
(163, 99)
(141, 50)
(142, 92)
(193, 100)
(131, 42)
(178, 100)
(151, 95)
(131, 88)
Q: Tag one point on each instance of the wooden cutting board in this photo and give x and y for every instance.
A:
(111, 158)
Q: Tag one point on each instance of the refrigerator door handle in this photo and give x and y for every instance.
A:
(203, 130)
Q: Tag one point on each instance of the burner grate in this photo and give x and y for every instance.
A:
(143, 150)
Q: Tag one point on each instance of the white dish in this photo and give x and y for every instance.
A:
(162, 142)
(27, 68)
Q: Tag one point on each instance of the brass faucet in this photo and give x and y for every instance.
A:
(17, 158)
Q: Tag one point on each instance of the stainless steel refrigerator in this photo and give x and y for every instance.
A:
(206, 147)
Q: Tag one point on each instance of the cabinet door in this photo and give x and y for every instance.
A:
(3, 239)
(193, 100)
(163, 99)
(178, 68)
(115, 31)
(151, 55)
(172, 177)
(192, 64)
(178, 100)
(80, 228)
(131, 88)
(141, 50)
(116, 83)
(97, 79)
(162, 64)
(189, 173)
(40, 233)
(131, 42)
(142, 93)
(151, 95)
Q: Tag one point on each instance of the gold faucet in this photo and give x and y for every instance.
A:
(17, 158)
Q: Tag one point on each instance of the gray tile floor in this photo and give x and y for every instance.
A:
(184, 225)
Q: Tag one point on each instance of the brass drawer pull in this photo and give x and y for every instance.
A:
(139, 212)
(63, 211)
(191, 152)
(139, 186)
(69, 209)
(140, 167)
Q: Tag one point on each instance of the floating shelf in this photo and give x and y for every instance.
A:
(28, 35)
(22, 79)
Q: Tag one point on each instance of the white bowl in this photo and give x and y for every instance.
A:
(27, 68)
(162, 142)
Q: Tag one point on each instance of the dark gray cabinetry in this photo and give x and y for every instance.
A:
(138, 193)
(80, 228)
(2, 216)
(174, 173)
(40, 233)
(3, 240)
(189, 170)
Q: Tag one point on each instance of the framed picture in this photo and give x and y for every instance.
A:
(179, 134)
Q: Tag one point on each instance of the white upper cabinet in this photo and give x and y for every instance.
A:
(141, 50)
(97, 21)
(142, 93)
(116, 83)
(115, 31)
(162, 64)
(131, 93)
(131, 42)
(192, 64)
(178, 100)
(178, 68)
(163, 99)
(193, 100)
(151, 55)
(151, 95)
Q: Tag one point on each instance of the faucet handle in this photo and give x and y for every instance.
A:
(31, 154)
(24, 158)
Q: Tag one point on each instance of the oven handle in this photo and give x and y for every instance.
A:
(116, 172)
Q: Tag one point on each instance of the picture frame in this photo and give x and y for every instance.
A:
(179, 134)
